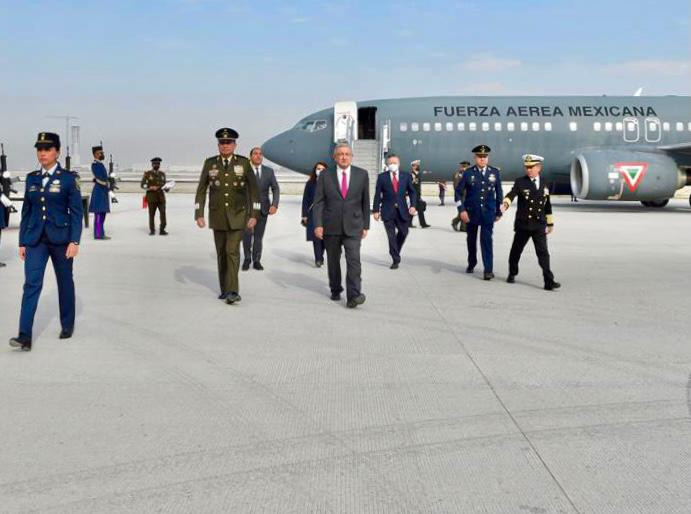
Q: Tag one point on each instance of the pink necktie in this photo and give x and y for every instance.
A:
(395, 182)
(344, 185)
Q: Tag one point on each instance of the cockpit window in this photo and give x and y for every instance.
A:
(311, 126)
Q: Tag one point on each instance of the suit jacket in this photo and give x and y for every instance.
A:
(267, 181)
(99, 201)
(55, 209)
(534, 210)
(342, 216)
(307, 204)
(388, 201)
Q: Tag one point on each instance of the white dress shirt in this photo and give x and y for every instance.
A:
(50, 174)
(536, 181)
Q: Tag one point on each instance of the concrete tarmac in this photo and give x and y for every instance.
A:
(443, 393)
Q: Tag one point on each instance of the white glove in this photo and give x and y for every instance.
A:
(6, 174)
(5, 201)
(169, 185)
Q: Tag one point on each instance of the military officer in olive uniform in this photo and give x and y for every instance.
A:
(478, 198)
(534, 219)
(153, 181)
(233, 207)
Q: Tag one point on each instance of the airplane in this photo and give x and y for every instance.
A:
(600, 147)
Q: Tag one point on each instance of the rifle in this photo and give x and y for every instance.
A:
(112, 181)
(5, 186)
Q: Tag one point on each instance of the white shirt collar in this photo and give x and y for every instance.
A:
(537, 181)
(340, 170)
(51, 170)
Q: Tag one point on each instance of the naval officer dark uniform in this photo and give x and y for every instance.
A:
(479, 193)
(233, 201)
(51, 221)
(153, 181)
(534, 220)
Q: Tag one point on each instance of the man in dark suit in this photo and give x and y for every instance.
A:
(266, 179)
(391, 206)
(341, 217)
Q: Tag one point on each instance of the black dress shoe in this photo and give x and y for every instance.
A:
(511, 279)
(470, 269)
(488, 276)
(65, 334)
(21, 343)
(394, 266)
(2, 264)
(358, 300)
(152, 232)
(233, 298)
(551, 286)
(246, 265)
(318, 264)
(163, 232)
(223, 296)
(425, 226)
(258, 266)
(335, 297)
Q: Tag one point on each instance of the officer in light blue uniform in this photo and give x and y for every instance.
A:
(51, 228)
(479, 197)
(99, 203)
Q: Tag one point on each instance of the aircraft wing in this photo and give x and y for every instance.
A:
(679, 147)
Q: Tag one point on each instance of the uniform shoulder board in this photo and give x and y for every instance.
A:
(241, 158)
(37, 172)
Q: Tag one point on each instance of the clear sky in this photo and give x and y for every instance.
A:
(158, 77)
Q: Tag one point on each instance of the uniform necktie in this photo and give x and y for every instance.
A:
(395, 182)
(344, 184)
(225, 163)
(535, 182)
(256, 172)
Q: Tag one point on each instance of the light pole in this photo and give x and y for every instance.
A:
(67, 119)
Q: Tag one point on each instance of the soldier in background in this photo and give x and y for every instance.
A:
(233, 208)
(421, 205)
(456, 222)
(99, 203)
(153, 181)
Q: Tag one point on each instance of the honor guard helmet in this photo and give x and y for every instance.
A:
(95, 149)
(46, 140)
(482, 150)
(156, 159)
(226, 135)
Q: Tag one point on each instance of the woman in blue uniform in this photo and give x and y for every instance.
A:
(51, 228)
(307, 216)
(99, 203)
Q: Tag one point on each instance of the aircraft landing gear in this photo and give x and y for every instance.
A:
(657, 203)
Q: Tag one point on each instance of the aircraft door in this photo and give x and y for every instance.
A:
(653, 130)
(632, 130)
(345, 122)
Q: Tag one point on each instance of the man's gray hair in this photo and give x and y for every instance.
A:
(342, 145)
(393, 156)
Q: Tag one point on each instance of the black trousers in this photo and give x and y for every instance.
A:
(520, 239)
(397, 232)
(252, 240)
(161, 206)
(351, 245)
(318, 247)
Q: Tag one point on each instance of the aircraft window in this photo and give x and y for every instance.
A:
(404, 127)
(665, 126)
(630, 126)
(437, 127)
(426, 126)
(472, 126)
(548, 126)
(449, 126)
(680, 126)
(485, 126)
(414, 126)
(511, 126)
(460, 126)
(307, 126)
(524, 126)
(620, 126)
(319, 125)
(497, 126)
(597, 126)
(689, 126)
(536, 126)
(608, 126)
(573, 126)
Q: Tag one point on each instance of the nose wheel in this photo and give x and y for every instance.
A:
(657, 203)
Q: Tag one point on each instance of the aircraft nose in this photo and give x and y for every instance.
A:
(279, 148)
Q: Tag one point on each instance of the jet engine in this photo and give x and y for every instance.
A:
(611, 174)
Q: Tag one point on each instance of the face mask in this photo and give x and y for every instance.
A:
(393, 167)
(319, 172)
